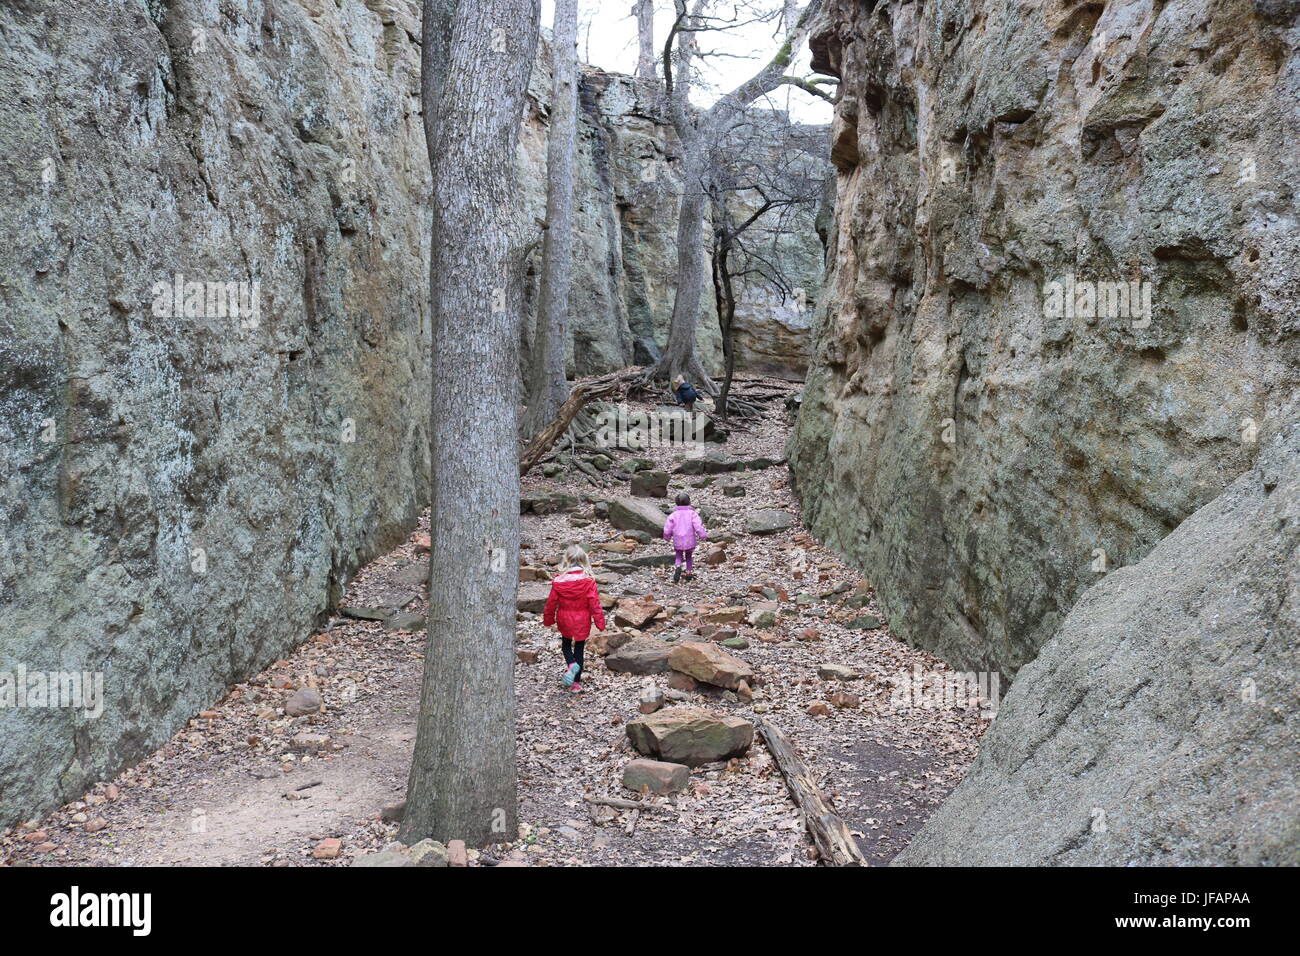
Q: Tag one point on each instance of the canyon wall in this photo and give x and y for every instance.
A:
(994, 420)
(214, 384)
(1158, 727)
(186, 490)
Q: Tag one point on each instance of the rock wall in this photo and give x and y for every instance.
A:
(985, 453)
(628, 186)
(1158, 727)
(190, 482)
(185, 490)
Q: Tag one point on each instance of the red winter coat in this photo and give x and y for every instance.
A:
(575, 604)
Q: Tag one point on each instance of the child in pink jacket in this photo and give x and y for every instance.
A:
(685, 530)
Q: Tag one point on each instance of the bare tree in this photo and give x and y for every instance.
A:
(766, 174)
(789, 14)
(547, 387)
(697, 129)
(644, 11)
(476, 60)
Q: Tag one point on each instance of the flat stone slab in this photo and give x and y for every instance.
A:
(690, 736)
(637, 514)
(359, 613)
(414, 575)
(837, 672)
(713, 463)
(426, 853)
(710, 663)
(547, 502)
(655, 776)
(769, 521)
(532, 596)
(641, 655)
(637, 614)
(407, 621)
(395, 600)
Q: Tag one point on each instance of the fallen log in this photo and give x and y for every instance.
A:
(828, 831)
(602, 386)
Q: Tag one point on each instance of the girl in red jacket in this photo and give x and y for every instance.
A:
(574, 604)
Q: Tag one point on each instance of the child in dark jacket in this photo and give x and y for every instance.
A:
(573, 605)
(685, 393)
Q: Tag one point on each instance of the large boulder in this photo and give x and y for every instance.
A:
(707, 662)
(650, 484)
(769, 521)
(690, 735)
(1158, 726)
(641, 655)
(637, 514)
(532, 596)
(655, 776)
(635, 613)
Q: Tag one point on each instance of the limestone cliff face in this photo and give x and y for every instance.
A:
(185, 491)
(188, 485)
(628, 187)
(1158, 727)
(980, 433)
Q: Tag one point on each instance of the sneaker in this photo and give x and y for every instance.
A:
(677, 574)
(576, 688)
(690, 575)
(570, 675)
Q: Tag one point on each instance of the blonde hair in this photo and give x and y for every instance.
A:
(576, 557)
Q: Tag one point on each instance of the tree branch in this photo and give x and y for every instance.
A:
(807, 87)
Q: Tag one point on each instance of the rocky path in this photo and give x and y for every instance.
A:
(296, 766)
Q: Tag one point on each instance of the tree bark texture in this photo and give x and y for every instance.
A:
(547, 386)
(476, 61)
(645, 35)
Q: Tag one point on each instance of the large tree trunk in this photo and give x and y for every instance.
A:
(547, 387)
(645, 35)
(476, 60)
(679, 355)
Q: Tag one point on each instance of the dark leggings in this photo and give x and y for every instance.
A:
(573, 653)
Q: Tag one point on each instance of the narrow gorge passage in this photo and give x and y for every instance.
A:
(366, 365)
(247, 783)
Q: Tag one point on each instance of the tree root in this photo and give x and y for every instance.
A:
(602, 386)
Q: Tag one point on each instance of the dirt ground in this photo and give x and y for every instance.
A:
(246, 784)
